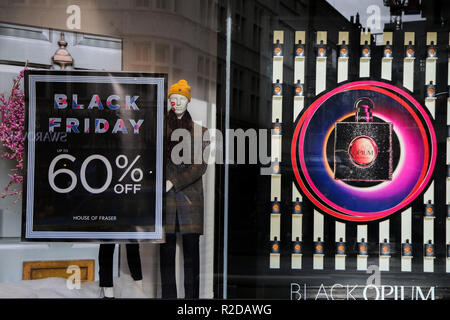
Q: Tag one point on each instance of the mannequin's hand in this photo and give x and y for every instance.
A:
(169, 185)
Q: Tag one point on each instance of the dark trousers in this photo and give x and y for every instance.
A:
(105, 261)
(191, 266)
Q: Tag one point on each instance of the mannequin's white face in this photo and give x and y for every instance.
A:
(178, 103)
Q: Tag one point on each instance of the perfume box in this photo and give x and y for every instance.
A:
(363, 151)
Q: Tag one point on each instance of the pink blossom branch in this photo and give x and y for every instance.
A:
(12, 127)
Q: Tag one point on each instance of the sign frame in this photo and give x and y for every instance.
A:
(32, 77)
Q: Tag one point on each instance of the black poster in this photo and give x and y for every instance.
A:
(94, 156)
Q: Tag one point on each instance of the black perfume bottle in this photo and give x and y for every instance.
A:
(363, 149)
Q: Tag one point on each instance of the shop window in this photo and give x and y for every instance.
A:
(24, 32)
(162, 4)
(222, 19)
(239, 25)
(203, 11)
(241, 100)
(220, 72)
(159, 69)
(203, 88)
(200, 64)
(254, 84)
(239, 5)
(208, 10)
(35, 37)
(203, 66)
(162, 53)
(143, 52)
(178, 6)
(206, 89)
(254, 105)
(252, 102)
(215, 23)
(100, 42)
(17, 2)
(206, 71)
(235, 99)
(257, 15)
(176, 74)
(200, 82)
(256, 36)
(145, 4)
(213, 68)
(39, 3)
(177, 56)
(188, 39)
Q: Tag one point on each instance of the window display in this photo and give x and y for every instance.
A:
(184, 200)
(226, 149)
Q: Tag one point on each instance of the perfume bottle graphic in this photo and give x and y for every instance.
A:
(363, 149)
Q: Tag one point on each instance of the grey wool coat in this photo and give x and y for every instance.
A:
(184, 202)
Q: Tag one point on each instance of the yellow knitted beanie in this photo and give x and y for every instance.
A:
(181, 87)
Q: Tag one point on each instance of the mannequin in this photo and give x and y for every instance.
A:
(105, 261)
(184, 207)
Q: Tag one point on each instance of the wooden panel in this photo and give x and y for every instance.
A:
(342, 74)
(408, 73)
(277, 109)
(276, 147)
(295, 193)
(296, 261)
(278, 35)
(343, 37)
(299, 69)
(275, 187)
(322, 36)
(429, 194)
(274, 261)
(431, 37)
(277, 69)
(409, 37)
(321, 74)
(386, 68)
(387, 37)
(318, 226)
(430, 71)
(275, 226)
(406, 225)
(299, 103)
(364, 67)
(300, 36)
(297, 229)
(340, 231)
(365, 37)
(361, 232)
(34, 270)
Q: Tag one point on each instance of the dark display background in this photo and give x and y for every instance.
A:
(248, 248)
(135, 212)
